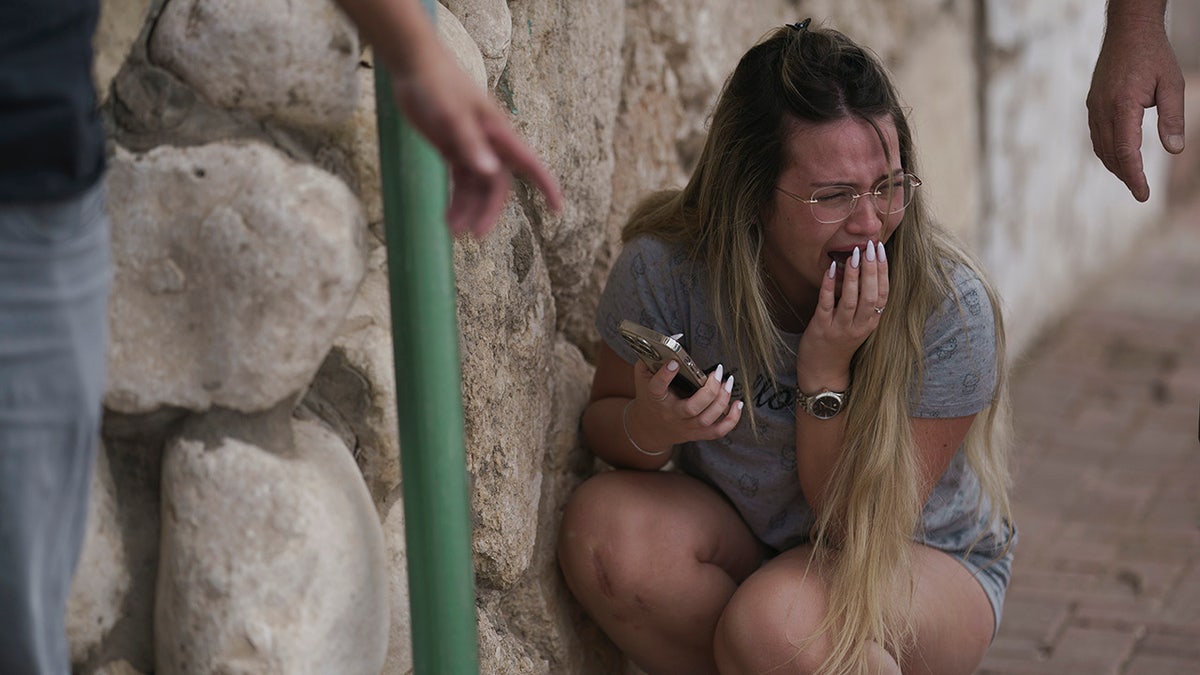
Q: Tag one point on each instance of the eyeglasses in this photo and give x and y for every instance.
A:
(835, 203)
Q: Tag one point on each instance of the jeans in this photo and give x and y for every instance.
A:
(55, 272)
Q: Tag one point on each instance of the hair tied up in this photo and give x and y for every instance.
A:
(800, 25)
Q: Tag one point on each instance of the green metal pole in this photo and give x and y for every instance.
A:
(428, 395)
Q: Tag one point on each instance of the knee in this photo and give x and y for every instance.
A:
(584, 521)
(765, 629)
(603, 548)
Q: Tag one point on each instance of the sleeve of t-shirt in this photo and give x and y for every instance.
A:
(643, 288)
(959, 376)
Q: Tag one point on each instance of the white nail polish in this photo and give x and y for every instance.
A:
(729, 385)
(720, 372)
(740, 404)
(855, 258)
(882, 255)
(676, 336)
(870, 251)
(672, 365)
(833, 270)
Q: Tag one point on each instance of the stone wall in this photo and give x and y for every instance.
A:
(246, 514)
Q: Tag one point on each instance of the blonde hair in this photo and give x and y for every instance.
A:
(872, 504)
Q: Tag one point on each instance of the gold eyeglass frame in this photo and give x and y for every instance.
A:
(874, 192)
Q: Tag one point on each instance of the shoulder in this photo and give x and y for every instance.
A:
(961, 350)
(969, 289)
(967, 304)
(654, 283)
(648, 248)
(648, 259)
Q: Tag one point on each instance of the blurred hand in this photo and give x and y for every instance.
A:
(1136, 69)
(474, 137)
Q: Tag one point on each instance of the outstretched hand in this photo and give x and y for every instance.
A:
(480, 147)
(458, 117)
(1136, 69)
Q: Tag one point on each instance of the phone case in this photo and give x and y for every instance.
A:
(655, 349)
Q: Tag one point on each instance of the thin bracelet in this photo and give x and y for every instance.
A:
(625, 426)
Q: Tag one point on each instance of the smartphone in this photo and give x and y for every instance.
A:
(655, 349)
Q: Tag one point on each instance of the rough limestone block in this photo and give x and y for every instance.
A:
(355, 389)
(234, 268)
(490, 24)
(120, 23)
(461, 45)
(136, 471)
(290, 60)
(563, 86)
(120, 667)
(272, 553)
(356, 142)
(399, 648)
(102, 579)
(355, 145)
(537, 612)
(501, 654)
(506, 319)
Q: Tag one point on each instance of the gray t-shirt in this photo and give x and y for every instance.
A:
(655, 284)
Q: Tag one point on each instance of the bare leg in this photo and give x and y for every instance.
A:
(768, 622)
(954, 617)
(654, 557)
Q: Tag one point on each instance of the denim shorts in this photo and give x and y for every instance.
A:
(993, 571)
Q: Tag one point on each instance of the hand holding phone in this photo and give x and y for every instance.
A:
(656, 349)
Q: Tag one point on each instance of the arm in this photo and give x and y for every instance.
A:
(1136, 69)
(937, 439)
(656, 419)
(838, 328)
(457, 117)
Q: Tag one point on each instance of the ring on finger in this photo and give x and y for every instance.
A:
(879, 309)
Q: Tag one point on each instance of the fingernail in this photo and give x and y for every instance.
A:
(1175, 144)
(870, 251)
(676, 336)
(740, 404)
(672, 365)
(833, 269)
(720, 372)
(882, 254)
(729, 384)
(854, 259)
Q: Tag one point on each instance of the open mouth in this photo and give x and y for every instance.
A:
(840, 257)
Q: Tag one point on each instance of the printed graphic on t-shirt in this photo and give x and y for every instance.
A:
(772, 395)
(787, 458)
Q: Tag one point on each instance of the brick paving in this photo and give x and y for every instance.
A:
(1107, 488)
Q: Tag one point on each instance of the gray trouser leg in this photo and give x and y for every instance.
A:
(54, 279)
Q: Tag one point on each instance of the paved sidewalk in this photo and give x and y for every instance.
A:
(1107, 494)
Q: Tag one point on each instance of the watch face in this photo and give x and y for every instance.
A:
(825, 405)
